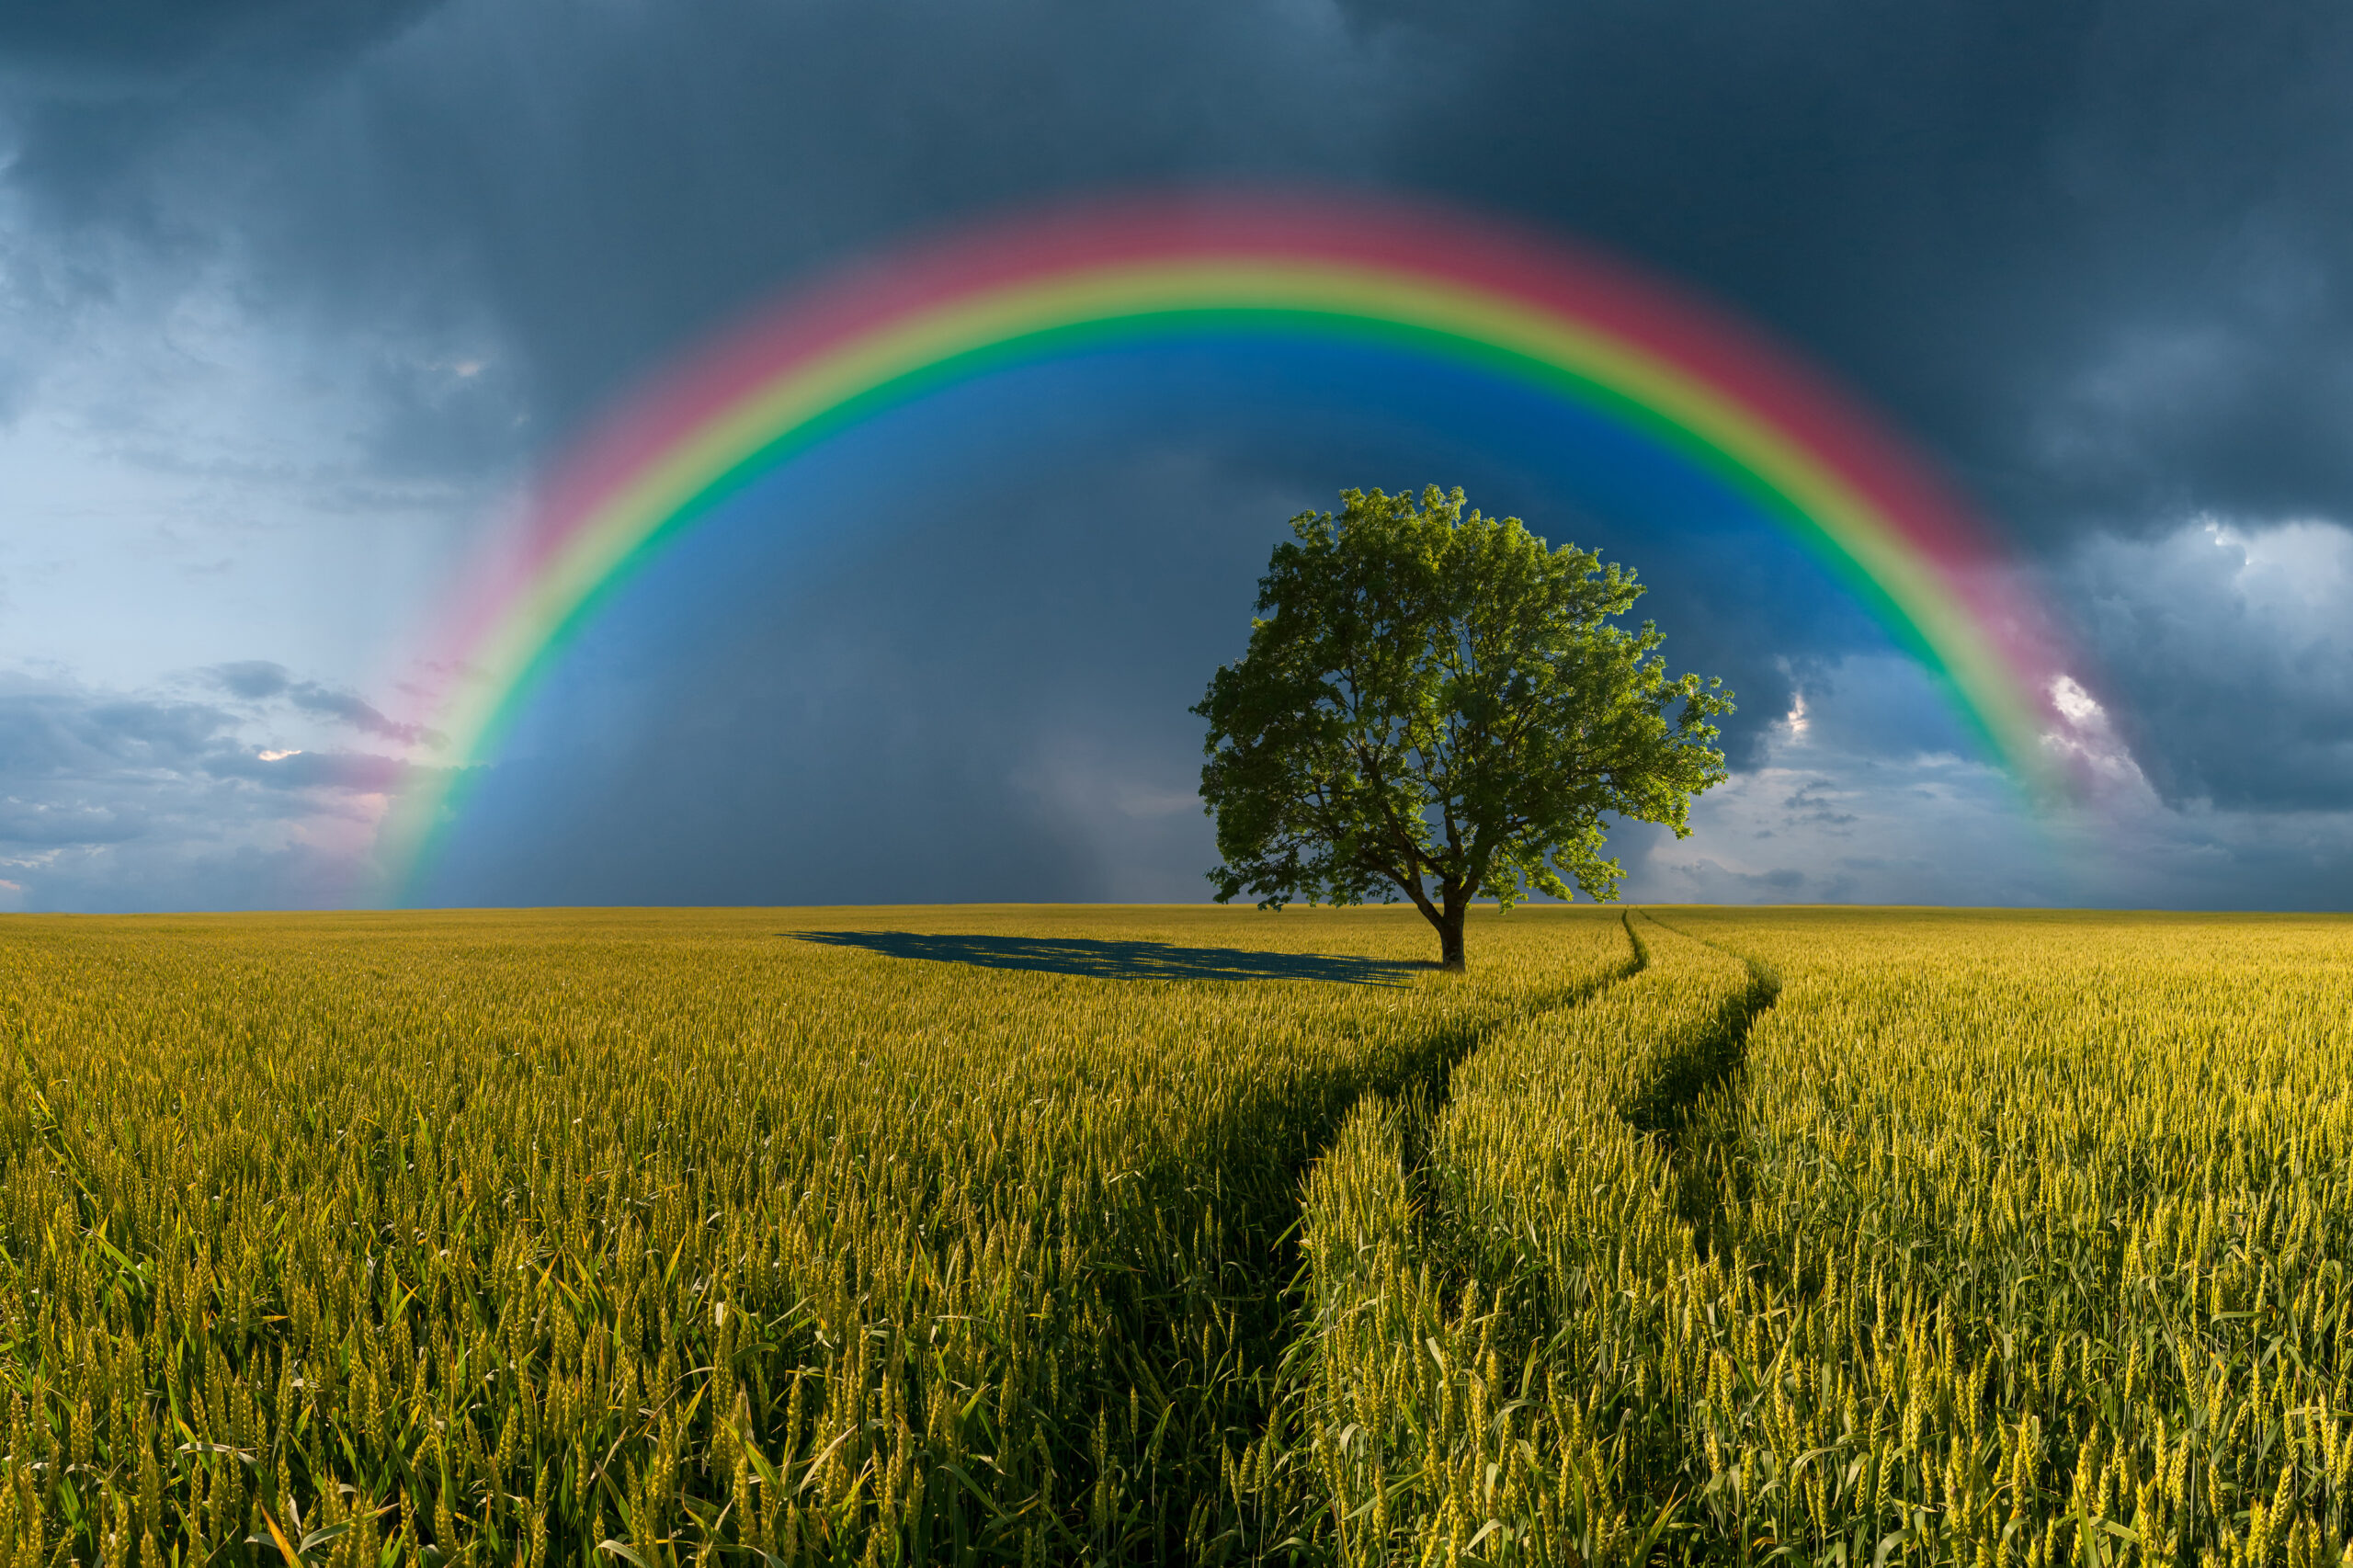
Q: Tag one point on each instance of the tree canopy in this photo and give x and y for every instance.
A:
(1436, 706)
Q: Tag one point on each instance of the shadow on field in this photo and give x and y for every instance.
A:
(1123, 960)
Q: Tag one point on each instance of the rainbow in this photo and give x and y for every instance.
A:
(1396, 276)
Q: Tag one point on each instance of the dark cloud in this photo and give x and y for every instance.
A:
(351, 772)
(129, 40)
(43, 825)
(2230, 655)
(48, 733)
(252, 680)
(259, 680)
(357, 711)
(110, 800)
(1706, 881)
(2094, 259)
(1817, 803)
(2095, 256)
(1991, 216)
(51, 732)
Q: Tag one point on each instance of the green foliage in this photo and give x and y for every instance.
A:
(1436, 707)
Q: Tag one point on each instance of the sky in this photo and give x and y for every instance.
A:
(297, 298)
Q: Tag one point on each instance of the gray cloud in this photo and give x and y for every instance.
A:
(252, 679)
(153, 44)
(2096, 260)
(1873, 823)
(113, 800)
(43, 825)
(2229, 650)
(2095, 256)
(341, 771)
(1817, 803)
(1994, 216)
(53, 733)
(259, 680)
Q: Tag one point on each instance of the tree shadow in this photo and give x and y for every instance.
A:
(1123, 960)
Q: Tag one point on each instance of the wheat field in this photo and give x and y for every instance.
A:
(1049, 1236)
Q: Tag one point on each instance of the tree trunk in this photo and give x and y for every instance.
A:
(1449, 936)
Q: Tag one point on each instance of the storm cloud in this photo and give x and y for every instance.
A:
(114, 801)
(291, 296)
(259, 680)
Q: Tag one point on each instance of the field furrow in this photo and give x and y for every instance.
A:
(1481, 1367)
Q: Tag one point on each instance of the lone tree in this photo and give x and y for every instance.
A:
(1436, 706)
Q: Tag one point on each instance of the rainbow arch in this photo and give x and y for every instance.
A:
(1401, 276)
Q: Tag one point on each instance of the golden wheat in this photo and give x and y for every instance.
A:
(2009, 1240)
(1713, 1237)
(499, 1237)
(1486, 1353)
(2029, 1244)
